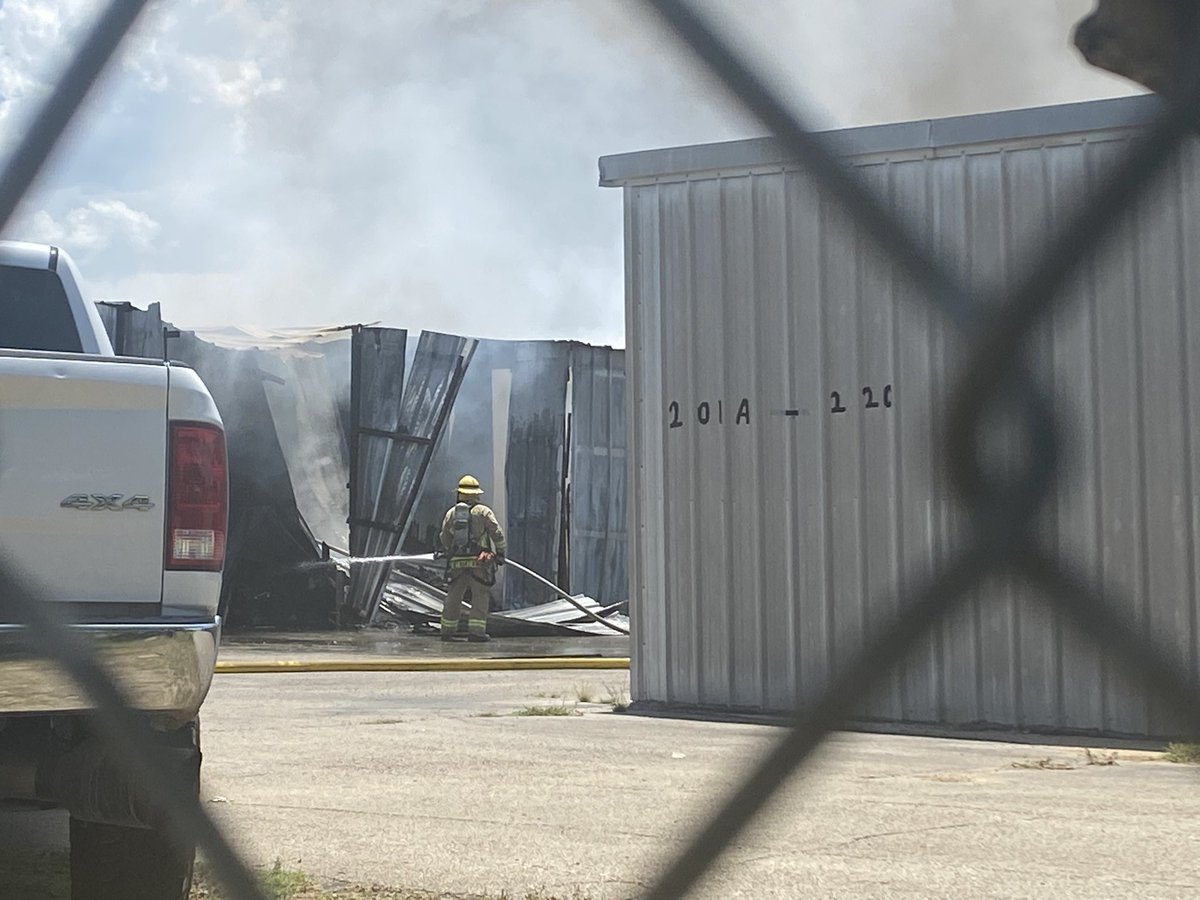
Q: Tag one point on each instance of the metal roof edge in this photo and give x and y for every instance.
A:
(1041, 121)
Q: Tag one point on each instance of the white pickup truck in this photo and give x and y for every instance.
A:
(114, 504)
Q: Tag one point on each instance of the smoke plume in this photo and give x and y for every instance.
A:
(432, 163)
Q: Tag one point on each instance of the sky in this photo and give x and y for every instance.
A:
(432, 164)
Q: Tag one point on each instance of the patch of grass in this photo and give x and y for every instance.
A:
(586, 693)
(486, 715)
(46, 875)
(1099, 758)
(559, 710)
(617, 697)
(1046, 763)
(277, 883)
(1183, 753)
(282, 884)
(544, 695)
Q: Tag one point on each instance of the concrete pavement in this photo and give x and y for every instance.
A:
(427, 780)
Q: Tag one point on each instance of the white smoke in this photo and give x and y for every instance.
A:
(432, 163)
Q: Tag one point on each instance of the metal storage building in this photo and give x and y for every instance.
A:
(785, 389)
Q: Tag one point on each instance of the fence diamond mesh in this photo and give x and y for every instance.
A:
(1001, 507)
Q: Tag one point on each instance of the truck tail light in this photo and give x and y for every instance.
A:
(197, 498)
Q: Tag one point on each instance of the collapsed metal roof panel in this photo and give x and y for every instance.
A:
(308, 388)
(408, 599)
(337, 399)
(392, 445)
(250, 337)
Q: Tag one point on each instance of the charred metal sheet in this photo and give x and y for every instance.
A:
(376, 394)
(278, 425)
(475, 441)
(412, 601)
(552, 459)
(267, 534)
(393, 443)
(308, 390)
(504, 376)
(596, 528)
(515, 426)
(133, 331)
(535, 467)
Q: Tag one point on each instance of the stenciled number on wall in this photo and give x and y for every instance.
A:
(870, 399)
(737, 412)
(707, 413)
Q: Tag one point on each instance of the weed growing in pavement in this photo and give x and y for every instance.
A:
(585, 693)
(1045, 763)
(1099, 758)
(277, 883)
(560, 710)
(1183, 753)
(284, 884)
(617, 697)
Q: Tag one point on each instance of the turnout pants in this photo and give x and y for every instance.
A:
(462, 585)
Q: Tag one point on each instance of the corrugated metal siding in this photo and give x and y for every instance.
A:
(597, 532)
(534, 467)
(764, 551)
(387, 481)
(309, 389)
(510, 416)
(468, 446)
(133, 331)
(377, 388)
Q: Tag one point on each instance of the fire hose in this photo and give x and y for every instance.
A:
(430, 557)
(579, 606)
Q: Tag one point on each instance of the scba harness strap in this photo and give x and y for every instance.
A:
(463, 544)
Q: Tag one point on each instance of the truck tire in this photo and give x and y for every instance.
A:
(119, 862)
(115, 862)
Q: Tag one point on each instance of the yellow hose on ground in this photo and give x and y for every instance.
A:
(422, 665)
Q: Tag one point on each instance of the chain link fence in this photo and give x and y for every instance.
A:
(1001, 506)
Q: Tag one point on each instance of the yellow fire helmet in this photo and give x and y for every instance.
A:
(469, 485)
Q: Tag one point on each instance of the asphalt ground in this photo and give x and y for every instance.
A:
(433, 781)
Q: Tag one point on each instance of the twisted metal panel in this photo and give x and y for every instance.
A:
(395, 450)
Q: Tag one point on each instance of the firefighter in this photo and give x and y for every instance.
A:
(474, 544)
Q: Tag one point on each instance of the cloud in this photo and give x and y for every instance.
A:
(99, 225)
(432, 163)
(36, 38)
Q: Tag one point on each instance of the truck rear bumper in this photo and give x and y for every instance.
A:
(163, 667)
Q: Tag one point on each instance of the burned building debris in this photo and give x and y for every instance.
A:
(347, 440)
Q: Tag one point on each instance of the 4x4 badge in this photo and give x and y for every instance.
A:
(110, 502)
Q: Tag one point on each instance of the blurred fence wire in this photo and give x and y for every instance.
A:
(1001, 507)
